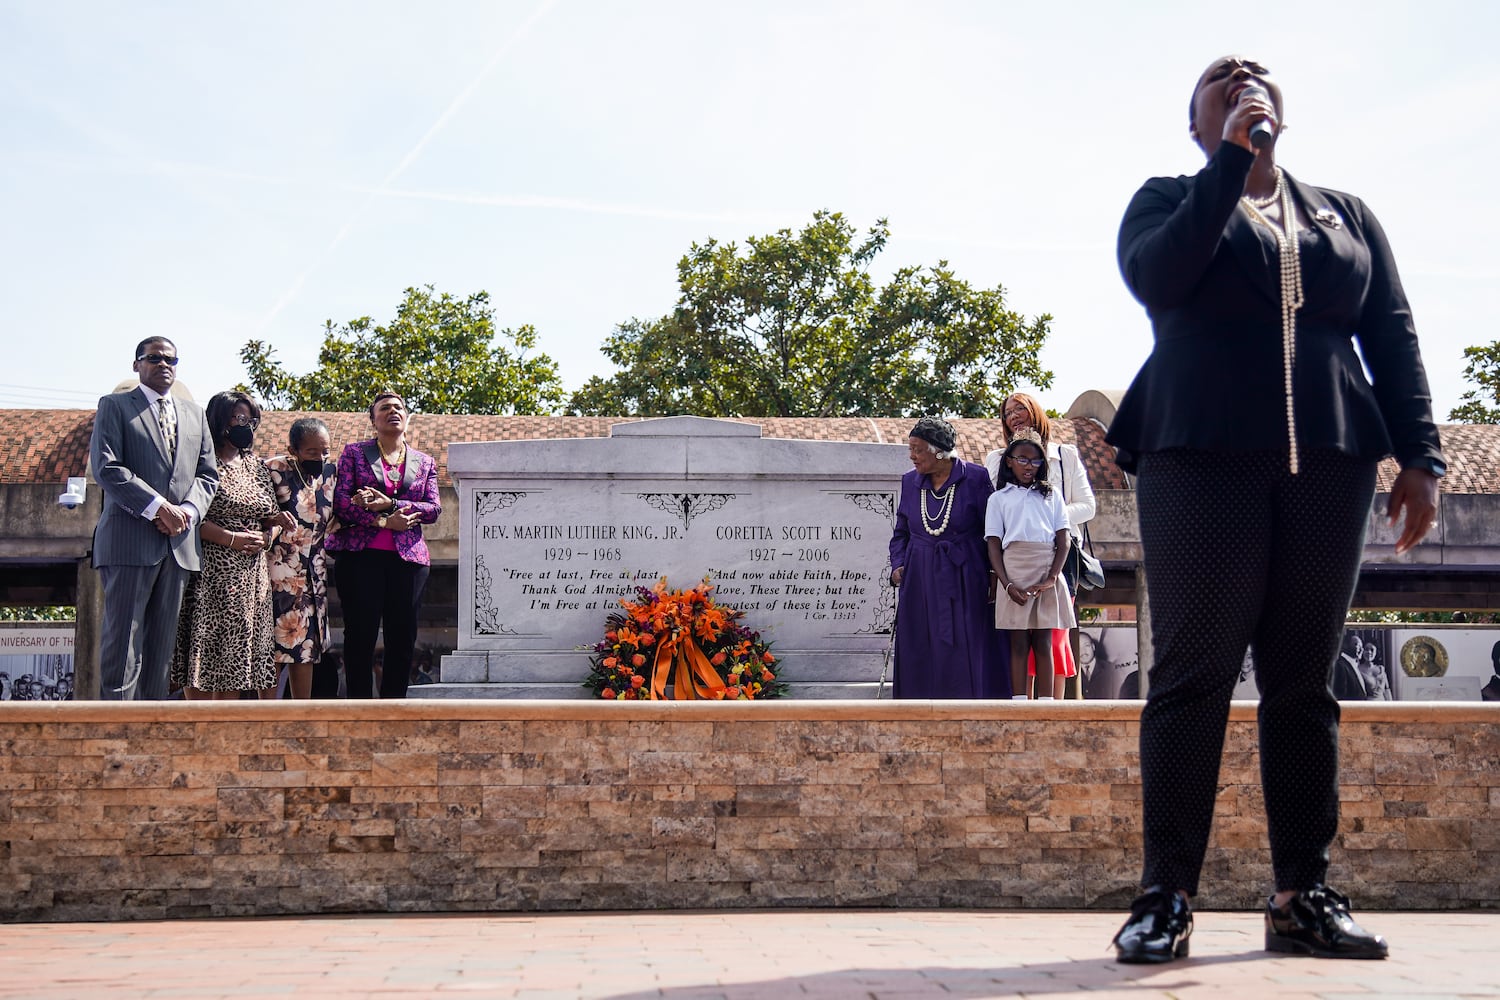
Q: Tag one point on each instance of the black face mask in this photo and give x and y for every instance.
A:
(311, 468)
(241, 436)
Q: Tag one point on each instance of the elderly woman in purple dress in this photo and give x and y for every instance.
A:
(946, 643)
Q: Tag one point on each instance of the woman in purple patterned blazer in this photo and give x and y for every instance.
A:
(386, 491)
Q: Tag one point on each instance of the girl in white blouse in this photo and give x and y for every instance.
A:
(1026, 529)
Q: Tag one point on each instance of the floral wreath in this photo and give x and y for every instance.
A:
(682, 638)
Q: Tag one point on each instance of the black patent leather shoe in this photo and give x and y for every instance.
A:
(1158, 929)
(1317, 922)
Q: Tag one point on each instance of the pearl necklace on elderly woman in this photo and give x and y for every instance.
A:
(945, 509)
(1291, 292)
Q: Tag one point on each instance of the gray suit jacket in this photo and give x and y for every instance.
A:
(130, 463)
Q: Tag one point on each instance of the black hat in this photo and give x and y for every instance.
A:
(937, 432)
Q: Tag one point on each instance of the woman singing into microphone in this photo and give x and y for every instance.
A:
(1254, 435)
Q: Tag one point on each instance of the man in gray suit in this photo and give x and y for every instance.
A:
(154, 459)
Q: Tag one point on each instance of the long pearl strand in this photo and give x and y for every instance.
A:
(945, 509)
(1291, 293)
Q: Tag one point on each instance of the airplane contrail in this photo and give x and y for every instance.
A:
(406, 161)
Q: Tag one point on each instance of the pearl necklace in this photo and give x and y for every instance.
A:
(945, 509)
(1269, 199)
(1291, 295)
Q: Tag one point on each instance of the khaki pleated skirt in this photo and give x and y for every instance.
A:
(1025, 564)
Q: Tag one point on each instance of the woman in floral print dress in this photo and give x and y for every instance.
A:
(304, 480)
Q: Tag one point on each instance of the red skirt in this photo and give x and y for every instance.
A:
(1063, 664)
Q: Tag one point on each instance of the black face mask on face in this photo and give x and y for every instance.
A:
(241, 436)
(311, 468)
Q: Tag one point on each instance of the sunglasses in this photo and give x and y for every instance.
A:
(157, 359)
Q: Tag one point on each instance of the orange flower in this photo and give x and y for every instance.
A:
(688, 617)
(711, 622)
(607, 693)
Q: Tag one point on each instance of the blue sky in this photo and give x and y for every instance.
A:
(221, 172)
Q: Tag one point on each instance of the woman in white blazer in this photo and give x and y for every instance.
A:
(1065, 471)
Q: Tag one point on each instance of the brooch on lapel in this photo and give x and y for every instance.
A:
(1328, 217)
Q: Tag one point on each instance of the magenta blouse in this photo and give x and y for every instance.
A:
(360, 466)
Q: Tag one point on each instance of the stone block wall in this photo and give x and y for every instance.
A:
(175, 810)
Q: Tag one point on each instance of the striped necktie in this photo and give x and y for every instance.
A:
(166, 418)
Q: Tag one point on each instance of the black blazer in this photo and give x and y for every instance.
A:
(1346, 682)
(1209, 278)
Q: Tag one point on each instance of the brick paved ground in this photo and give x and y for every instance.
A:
(735, 955)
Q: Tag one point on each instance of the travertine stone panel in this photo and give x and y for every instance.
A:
(149, 811)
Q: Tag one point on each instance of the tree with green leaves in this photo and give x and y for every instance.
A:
(793, 324)
(441, 353)
(53, 613)
(662, 372)
(1483, 370)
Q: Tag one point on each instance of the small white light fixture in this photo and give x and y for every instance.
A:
(77, 487)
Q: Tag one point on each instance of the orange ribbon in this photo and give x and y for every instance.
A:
(696, 677)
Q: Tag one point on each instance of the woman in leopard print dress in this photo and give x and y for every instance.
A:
(224, 639)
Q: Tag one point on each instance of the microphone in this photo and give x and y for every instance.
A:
(1263, 131)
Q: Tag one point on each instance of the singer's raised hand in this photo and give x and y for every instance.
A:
(1252, 105)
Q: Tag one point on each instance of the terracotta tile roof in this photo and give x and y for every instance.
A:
(1473, 453)
(46, 446)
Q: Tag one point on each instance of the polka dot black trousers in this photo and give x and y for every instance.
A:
(1238, 552)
